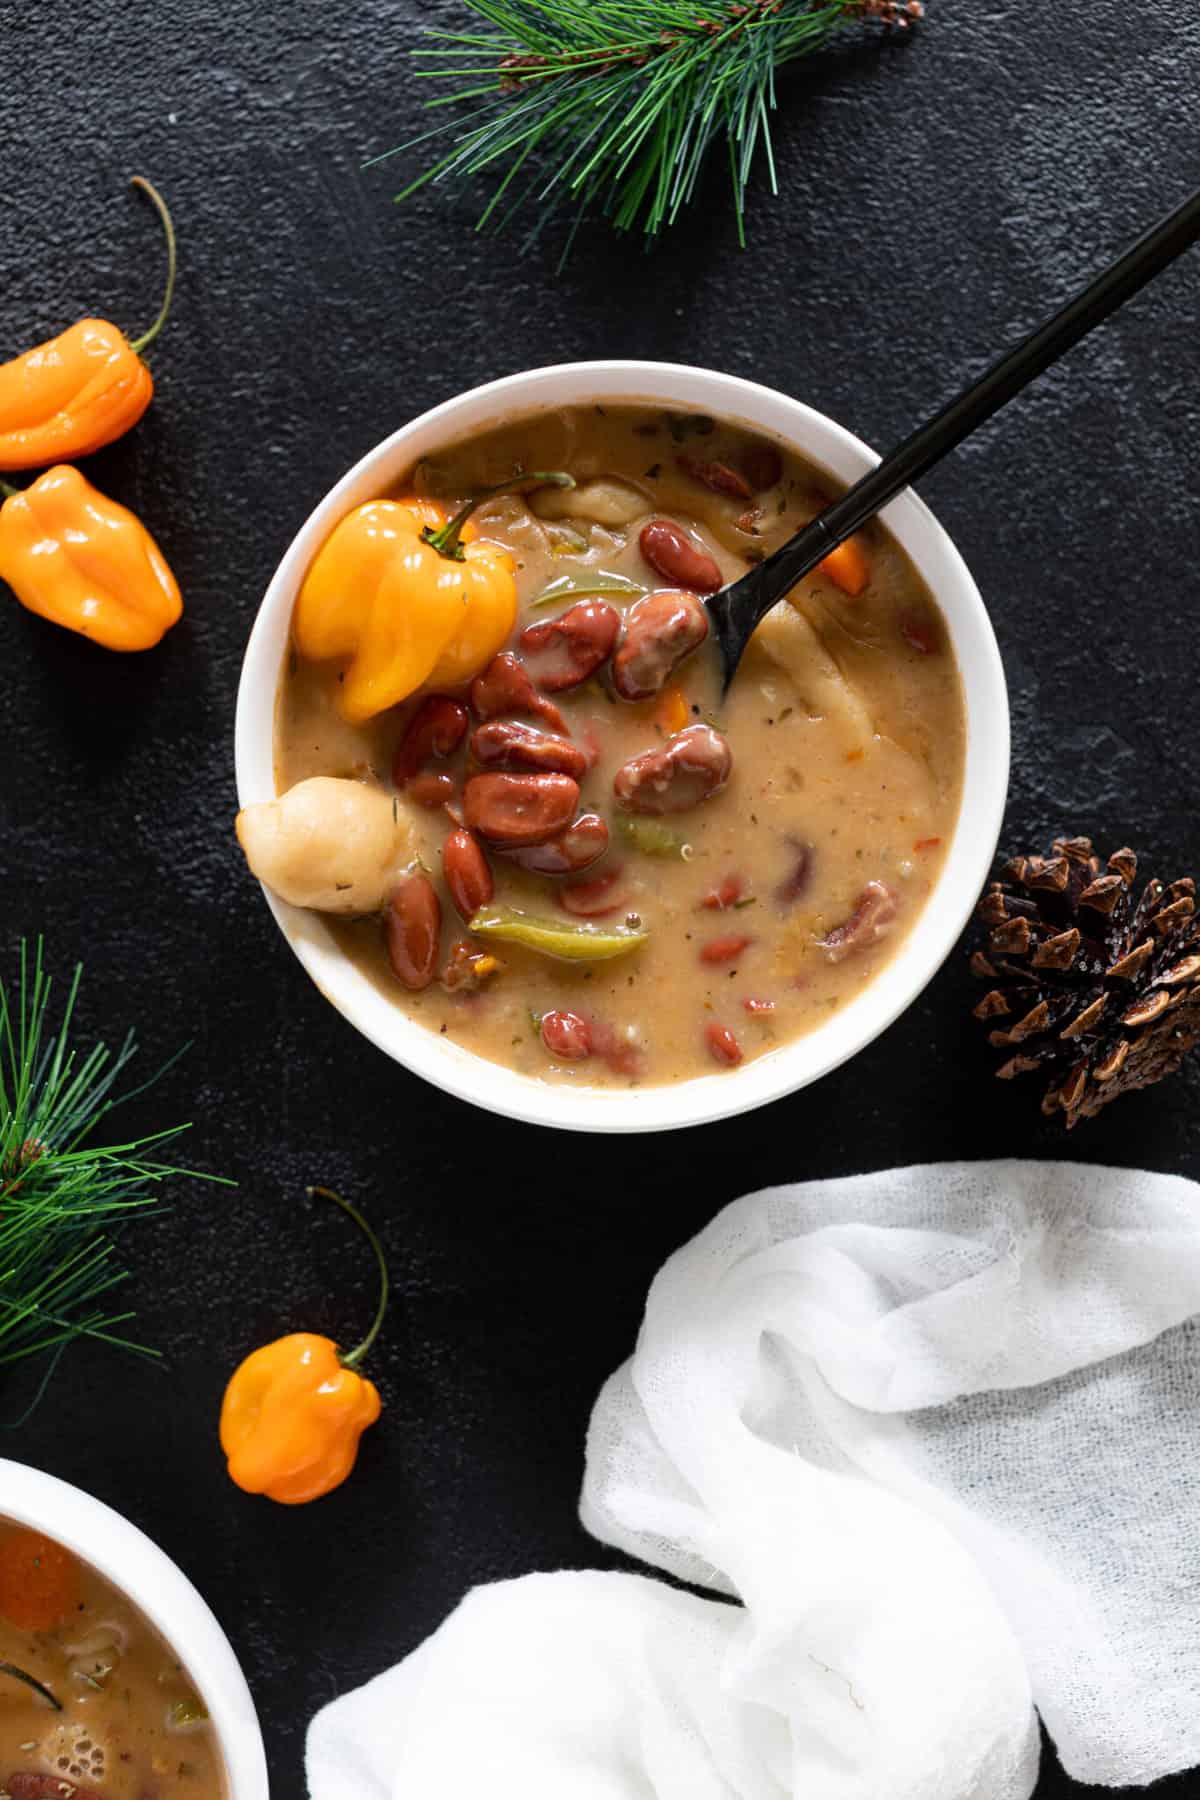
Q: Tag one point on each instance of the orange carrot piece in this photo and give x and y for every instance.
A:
(671, 714)
(848, 567)
(39, 1581)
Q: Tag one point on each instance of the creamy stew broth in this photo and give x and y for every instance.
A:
(767, 904)
(132, 1726)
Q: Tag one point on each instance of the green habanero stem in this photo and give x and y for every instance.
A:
(354, 1357)
(444, 538)
(168, 225)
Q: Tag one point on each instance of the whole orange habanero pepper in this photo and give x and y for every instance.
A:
(84, 388)
(403, 599)
(295, 1410)
(85, 562)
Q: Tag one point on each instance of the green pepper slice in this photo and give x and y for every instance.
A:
(650, 836)
(567, 939)
(594, 581)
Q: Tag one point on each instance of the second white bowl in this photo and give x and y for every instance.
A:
(136, 1566)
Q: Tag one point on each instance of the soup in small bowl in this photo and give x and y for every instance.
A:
(509, 801)
(96, 1703)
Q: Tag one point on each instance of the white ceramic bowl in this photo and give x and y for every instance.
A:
(137, 1567)
(968, 857)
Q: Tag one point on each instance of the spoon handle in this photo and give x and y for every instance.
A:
(940, 434)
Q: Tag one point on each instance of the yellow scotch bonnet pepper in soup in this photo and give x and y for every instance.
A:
(82, 389)
(295, 1410)
(86, 562)
(406, 597)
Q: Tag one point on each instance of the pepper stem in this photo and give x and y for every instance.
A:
(355, 1356)
(7, 1668)
(8, 490)
(445, 538)
(160, 205)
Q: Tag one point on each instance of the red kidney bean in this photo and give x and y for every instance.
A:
(762, 466)
(797, 882)
(723, 1046)
(466, 873)
(437, 728)
(505, 687)
(462, 970)
(431, 790)
(562, 652)
(506, 745)
(667, 548)
(413, 925)
(726, 893)
(567, 1035)
(515, 810)
(614, 1048)
(690, 767)
(758, 1006)
(920, 632)
(593, 899)
(724, 949)
(659, 632)
(718, 477)
(874, 914)
(574, 850)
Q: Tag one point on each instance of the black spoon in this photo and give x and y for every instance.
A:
(736, 610)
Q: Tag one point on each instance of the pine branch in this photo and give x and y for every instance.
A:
(613, 106)
(60, 1195)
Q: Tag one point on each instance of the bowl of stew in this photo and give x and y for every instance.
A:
(128, 1688)
(575, 884)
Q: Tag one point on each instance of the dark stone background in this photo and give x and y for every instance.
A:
(940, 195)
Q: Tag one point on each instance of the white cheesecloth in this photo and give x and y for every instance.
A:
(937, 1430)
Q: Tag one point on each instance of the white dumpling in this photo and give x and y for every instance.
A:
(329, 844)
(791, 640)
(604, 501)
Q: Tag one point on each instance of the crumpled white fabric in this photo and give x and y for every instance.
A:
(938, 1431)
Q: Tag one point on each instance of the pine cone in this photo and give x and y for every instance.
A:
(1103, 992)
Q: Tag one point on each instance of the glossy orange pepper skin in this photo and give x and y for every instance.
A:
(396, 613)
(86, 562)
(292, 1418)
(71, 395)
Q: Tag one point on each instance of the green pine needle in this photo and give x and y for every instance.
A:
(60, 1194)
(612, 106)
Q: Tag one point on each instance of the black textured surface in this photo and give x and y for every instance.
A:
(941, 194)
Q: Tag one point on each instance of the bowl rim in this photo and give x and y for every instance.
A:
(135, 1565)
(969, 856)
